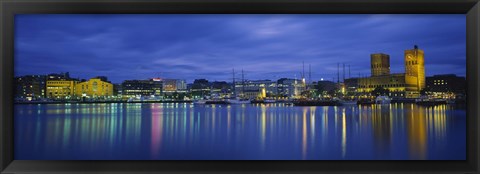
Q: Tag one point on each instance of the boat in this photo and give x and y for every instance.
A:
(450, 101)
(348, 102)
(200, 102)
(365, 101)
(382, 100)
(315, 103)
(235, 98)
(269, 101)
(430, 101)
(263, 101)
(238, 101)
(220, 102)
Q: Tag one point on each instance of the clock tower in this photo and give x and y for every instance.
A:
(414, 72)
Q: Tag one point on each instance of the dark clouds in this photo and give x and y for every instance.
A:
(209, 46)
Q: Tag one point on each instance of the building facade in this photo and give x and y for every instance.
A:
(401, 85)
(137, 88)
(60, 86)
(446, 83)
(30, 87)
(174, 85)
(380, 64)
(414, 71)
(97, 87)
(290, 88)
(200, 89)
(263, 88)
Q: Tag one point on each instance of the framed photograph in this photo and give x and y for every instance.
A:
(239, 86)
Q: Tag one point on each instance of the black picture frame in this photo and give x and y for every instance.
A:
(8, 8)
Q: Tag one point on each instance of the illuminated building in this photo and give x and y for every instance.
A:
(220, 89)
(447, 83)
(30, 87)
(117, 90)
(140, 88)
(174, 85)
(351, 85)
(200, 88)
(290, 87)
(414, 71)
(263, 88)
(60, 86)
(380, 64)
(252, 94)
(400, 85)
(97, 87)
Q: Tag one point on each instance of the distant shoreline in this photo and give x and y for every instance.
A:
(90, 102)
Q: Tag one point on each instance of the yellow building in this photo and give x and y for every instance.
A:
(94, 88)
(408, 84)
(380, 64)
(414, 71)
(60, 88)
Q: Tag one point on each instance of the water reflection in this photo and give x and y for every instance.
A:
(257, 131)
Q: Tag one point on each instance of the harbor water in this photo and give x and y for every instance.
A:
(275, 131)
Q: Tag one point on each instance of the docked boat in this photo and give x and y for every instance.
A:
(430, 101)
(220, 102)
(450, 101)
(348, 102)
(269, 101)
(200, 102)
(315, 103)
(382, 100)
(365, 101)
(238, 101)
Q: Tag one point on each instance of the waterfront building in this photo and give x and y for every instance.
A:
(263, 88)
(446, 83)
(200, 88)
(30, 87)
(351, 85)
(137, 88)
(97, 87)
(60, 86)
(157, 85)
(117, 90)
(290, 88)
(253, 94)
(400, 85)
(221, 89)
(174, 86)
(414, 71)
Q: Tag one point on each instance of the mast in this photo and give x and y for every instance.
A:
(309, 73)
(338, 73)
(303, 70)
(344, 73)
(243, 84)
(349, 74)
(234, 85)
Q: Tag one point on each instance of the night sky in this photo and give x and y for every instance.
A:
(124, 47)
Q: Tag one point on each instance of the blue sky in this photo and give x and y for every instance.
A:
(124, 47)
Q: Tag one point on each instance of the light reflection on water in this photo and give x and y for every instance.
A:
(254, 131)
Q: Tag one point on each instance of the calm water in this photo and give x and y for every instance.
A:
(253, 131)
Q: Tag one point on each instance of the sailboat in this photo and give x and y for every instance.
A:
(236, 99)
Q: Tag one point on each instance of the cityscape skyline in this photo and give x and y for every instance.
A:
(273, 48)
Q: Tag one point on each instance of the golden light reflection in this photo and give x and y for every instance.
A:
(417, 133)
(312, 123)
(344, 134)
(304, 133)
(263, 126)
